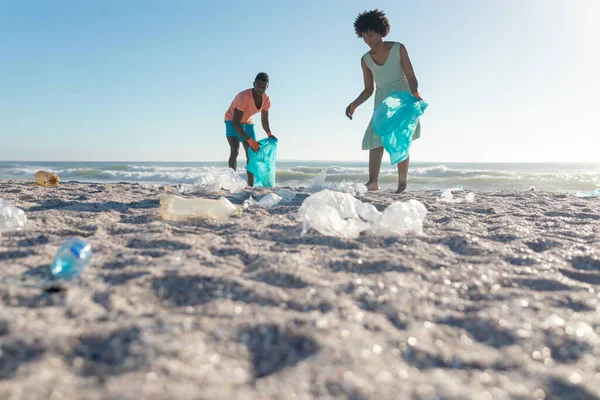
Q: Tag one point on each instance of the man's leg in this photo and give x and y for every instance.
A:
(234, 150)
(250, 176)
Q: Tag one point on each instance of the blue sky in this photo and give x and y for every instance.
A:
(510, 80)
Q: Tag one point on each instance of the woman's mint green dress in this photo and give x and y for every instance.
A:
(389, 78)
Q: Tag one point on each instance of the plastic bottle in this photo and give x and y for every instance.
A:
(11, 217)
(45, 178)
(71, 259)
(176, 208)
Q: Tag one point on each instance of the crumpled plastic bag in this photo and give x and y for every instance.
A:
(286, 195)
(340, 214)
(11, 217)
(262, 164)
(214, 180)
(318, 183)
(395, 121)
(447, 197)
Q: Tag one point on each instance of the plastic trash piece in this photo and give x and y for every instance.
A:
(286, 195)
(395, 121)
(11, 217)
(401, 217)
(339, 214)
(318, 183)
(232, 181)
(214, 180)
(269, 201)
(447, 197)
(71, 259)
(593, 193)
(447, 194)
(45, 178)
(332, 214)
(249, 202)
(262, 163)
(176, 208)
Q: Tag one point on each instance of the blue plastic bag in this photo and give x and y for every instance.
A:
(395, 121)
(262, 163)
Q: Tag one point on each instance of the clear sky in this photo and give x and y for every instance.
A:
(144, 80)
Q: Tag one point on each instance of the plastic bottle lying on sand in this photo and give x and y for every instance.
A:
(45, 178)
(11, 217)
(594, 193)
(71, 259)
(175, 208)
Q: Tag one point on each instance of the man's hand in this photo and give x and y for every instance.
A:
(254, 144)
(350, 110)
(269, 134)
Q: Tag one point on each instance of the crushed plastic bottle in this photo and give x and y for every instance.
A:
(268, 201)
(11, 217)
(286, 195)
(340, 214)
(249, 202)
(582, 194)
(71, 259)
(45, 178)
(176, 208)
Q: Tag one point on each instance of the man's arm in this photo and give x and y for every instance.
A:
(264, 119)
(236, 123)
(413, 84)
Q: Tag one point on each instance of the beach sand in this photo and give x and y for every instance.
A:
(497, 299)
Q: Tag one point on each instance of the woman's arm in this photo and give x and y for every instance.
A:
(413, 84)
(367, 91)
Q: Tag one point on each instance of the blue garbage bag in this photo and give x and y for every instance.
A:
(261, 163)
(395, 121)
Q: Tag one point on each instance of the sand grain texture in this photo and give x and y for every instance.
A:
(498, 299)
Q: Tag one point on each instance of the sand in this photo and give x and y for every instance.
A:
(497, 299)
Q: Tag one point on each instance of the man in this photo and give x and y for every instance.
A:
(238, 120)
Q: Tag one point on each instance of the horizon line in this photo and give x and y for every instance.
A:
(299, 160)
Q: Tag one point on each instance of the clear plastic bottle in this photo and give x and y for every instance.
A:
(176, 208)
(71, 259)
(45, 178)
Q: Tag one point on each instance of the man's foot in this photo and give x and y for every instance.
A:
(372, 186)
(401, 187)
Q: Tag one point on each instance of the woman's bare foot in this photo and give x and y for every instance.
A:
(372, 186)
(401, 187)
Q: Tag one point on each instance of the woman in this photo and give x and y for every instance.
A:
(388, 65)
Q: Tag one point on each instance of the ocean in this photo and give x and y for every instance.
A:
(422, 175)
